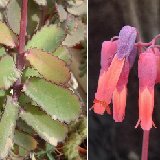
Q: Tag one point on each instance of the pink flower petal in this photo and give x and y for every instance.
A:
(119, 104)
(107, 53)
(147, 73)
(120, 94)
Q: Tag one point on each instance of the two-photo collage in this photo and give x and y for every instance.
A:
(79, 79)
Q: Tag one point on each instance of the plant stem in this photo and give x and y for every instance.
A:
(20, 56)
(145, 144)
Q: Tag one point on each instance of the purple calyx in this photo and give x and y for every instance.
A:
(126, 41)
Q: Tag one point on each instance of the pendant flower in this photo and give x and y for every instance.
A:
(147, 73)
(107, 53)
(120, 94)
(157, 54)
(116, 58)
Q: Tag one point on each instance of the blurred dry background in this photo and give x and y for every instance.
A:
(120, 141)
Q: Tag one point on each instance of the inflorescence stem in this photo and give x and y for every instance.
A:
(145, 143)
(20, 56)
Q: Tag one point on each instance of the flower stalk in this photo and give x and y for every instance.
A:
(21, 49)
(145, 144)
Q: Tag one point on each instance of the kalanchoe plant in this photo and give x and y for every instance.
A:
(117, 59)
(36, 87)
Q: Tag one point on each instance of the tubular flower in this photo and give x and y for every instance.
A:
(120, 94)
(107, 53)
(157, 54)
(110, 75)
(147, 72)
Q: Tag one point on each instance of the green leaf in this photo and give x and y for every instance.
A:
(21, 151)
(50, 130)
(78, 9)
(25, 141)
(41, 2)
(23, 99)
(52, 68)
(47, 39)
(57, 101)
(2, 93)
(2, 51)
(8, 72)
(76, 62)
(61, 12)
(70, 22)
(30, 72)
(21, 125)
(13, 10)
(49, 147)
(2, 101)
(34, 14)
(76, 35)
(78, 132)
(7, 37)
(50, 157)
(7, 126)
(3, 3)
(63, 53)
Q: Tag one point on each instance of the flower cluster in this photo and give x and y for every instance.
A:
(117, 59)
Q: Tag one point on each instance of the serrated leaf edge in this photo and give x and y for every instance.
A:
(65, 65)
(45, 26)
(10, 139)
(54, 117)
(50, 140)
(6, 23)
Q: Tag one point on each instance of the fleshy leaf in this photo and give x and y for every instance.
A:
(8, 72)
(76, 35)
(47, 39)
(2, 51)
(34, 14)
(7, 37)
(30, 72)
(7, 126)
(70, 22)
(41, 2)
(21, 151)
(23, 99)
(52, 68)
(50, 130)
(63, 53)
(23, 126)
(79, 8)
(2, 93)
(57, 101)
(25, 141)
(77, 133)
(61, 12)
(76, 59)
(13, 10)
(3, 3)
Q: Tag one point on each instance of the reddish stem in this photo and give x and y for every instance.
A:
(145, 144)
(20, 56)
(23, 25)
